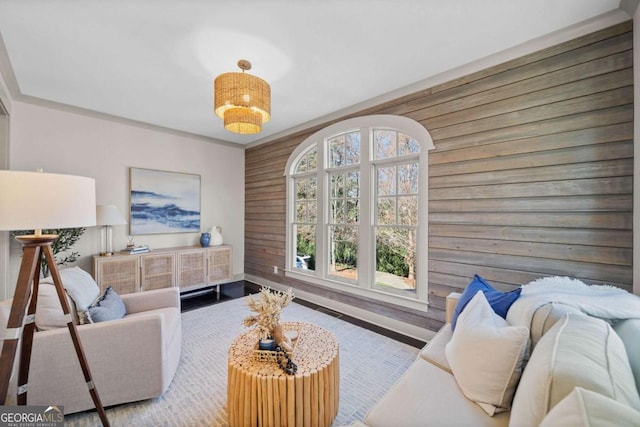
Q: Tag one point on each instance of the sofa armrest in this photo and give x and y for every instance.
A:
(452, 300)
(125, 357)
(151, 300)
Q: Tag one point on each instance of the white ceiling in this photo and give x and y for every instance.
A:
(154, 61)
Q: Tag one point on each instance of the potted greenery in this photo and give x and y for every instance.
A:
(61, 248)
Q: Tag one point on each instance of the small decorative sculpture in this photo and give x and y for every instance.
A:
(216, 236)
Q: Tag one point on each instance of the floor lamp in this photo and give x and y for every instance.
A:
(37, 201)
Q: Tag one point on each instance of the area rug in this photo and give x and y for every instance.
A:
(370, 364)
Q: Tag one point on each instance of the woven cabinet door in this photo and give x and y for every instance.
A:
(119, 272)
(220, 265)
(157, 271)
(192, 269)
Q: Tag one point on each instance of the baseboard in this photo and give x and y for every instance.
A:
(411, 331)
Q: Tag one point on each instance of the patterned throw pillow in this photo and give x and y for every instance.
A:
(108, 307)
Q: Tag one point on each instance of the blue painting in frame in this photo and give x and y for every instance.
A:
(163, 202)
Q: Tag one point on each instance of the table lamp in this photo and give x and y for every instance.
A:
(108, 216)
(37, 201)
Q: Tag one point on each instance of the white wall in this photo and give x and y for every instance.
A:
(4, 164)
(64, 142)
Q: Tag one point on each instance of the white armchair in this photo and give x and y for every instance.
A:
(132, 358)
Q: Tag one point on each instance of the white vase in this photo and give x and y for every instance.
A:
(216, 236)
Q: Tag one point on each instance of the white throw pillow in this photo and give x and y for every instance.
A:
(486, 355)
(80, 286)
(584, 408)
(49, 313)
(578, 351)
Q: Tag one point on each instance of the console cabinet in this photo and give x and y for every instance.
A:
(188, 268)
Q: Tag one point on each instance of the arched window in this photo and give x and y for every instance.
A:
(357, 208)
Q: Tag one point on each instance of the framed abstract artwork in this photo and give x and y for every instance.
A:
(163, 202)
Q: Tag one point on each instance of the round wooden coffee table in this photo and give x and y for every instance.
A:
(260, 393)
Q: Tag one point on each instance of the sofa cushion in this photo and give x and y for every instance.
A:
(545, 317)
(486, 355)
(629, 331)
(578, 351)
(434, 351)
(427, 395)
(49, 314)
(584, 408)
(499, 301)
(108, 307)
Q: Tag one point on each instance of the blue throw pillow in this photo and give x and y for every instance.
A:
(109, 307)
(499, 301)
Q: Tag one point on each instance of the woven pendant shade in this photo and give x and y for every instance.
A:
(242, 100)
(242, 120)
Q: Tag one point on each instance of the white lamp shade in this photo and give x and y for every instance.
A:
(35, 200)
(109, 215)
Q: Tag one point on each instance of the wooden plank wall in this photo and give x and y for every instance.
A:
(531, 175)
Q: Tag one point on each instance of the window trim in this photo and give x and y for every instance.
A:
(379, 121)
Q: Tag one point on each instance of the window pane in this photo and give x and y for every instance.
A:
(336, 151)
(385, 143)
(353, 184)
(308, 162)
(352, 148)
(312, 209)
(301, 212)
(353, 212)
(312, 160)
(343, 252)
(305, 204)
(337, 185)
(387, 210)
(305, 247)
(408, 178)
(396, 259)
(408, 210)
(301, 189)
(312, 188)
(386, 181)
(301, 167)
(407, 145)
(337, 211)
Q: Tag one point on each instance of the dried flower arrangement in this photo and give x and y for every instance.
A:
(267, 309)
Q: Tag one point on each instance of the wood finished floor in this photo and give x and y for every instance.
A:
(228, 291)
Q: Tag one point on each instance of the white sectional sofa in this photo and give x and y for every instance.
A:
(576, 369)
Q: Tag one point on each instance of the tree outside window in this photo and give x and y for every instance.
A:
(306, 208)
